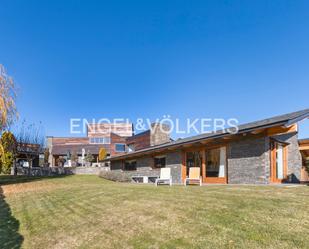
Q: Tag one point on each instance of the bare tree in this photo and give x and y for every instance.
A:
(30, 141)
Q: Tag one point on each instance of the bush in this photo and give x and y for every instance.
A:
(115, 176)
(74, 159)
(7, 162)
(60, 161)
(9, 142)
(89, 157)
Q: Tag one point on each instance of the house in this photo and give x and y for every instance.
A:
(304, 150)
(116, 138)
(105, 135)
(29, 154)
(261, 152)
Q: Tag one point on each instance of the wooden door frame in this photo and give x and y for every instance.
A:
(273, 149)
(222, 180)
(205, 179)
(184, 161)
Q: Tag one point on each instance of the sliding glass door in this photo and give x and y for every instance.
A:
(279, 162)
(278, 171)
(193, 159)
(215, 165)
(211, 161)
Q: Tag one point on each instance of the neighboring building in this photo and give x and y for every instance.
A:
(32, 153)
(261, 152)
(109, 136)
(117, 139)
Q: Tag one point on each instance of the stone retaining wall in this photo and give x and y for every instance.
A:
(53, 171)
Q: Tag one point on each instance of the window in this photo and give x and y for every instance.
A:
(120, 147)
(100, 140)
(131, 148)
(193, 159)
(215, 162)
(130, 165)
(159, 162)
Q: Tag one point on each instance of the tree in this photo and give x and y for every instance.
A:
(9, 142)
(89, 157)
(8, 151)
(102, 154)
(74, 158)
(7, 161)
(8, 112)
(46, 156)
(31, 141)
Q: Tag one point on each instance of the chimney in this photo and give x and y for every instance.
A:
(159, 134)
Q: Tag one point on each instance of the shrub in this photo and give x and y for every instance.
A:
(115, 176)
(8, 147)
(89, 157)
(9, 142)
(74, 158)
(7, 162)
(60, 161)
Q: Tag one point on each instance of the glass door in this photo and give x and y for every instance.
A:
(193, 159)
(278, 170)
(279, 162)
(215, 163)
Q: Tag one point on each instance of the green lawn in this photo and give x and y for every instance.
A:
(89, 212)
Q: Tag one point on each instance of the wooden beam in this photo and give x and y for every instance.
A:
(227, 138)
(257, 131)
(206, 141)
(281, 130)
(306, 147)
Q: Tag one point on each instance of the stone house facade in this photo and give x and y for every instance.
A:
(261, 152)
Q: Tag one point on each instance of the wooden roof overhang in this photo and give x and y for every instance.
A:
(213, 139)
(304, 147)
(266, 127)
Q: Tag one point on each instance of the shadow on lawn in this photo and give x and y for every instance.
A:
(11, 179)
(9, 236)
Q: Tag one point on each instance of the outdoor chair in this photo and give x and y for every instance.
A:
(165, 177)
(194, 176)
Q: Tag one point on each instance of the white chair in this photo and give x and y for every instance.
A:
(165, 177)
(194, 176)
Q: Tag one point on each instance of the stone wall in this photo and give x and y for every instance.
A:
(174, 161)
(53, 171)
(144, 167)
(160, 134)
(248, 161)
(293, 157)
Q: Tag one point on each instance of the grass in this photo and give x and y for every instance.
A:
(90, 212)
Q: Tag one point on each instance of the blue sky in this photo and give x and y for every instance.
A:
(130, 59)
